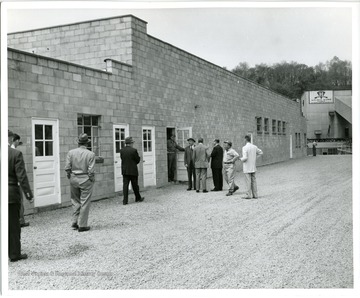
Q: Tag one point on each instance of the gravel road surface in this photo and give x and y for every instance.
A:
(298, 234)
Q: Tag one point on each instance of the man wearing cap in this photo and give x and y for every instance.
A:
(217, 156)
(15, 143)
(172, 146)
(17, 178)
(129, 161)
(230, 157)
(189, 163)
(249, 154)
(80, 169)
(201, 159)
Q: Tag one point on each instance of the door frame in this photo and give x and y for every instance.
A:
(56, 148)
(152, 128)
(118, 125)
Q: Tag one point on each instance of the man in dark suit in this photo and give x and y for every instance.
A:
(17, 176)
(129, 161)
(189, 163)
(217, 156)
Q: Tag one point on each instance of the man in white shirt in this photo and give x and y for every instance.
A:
(250, 152)
(230, 156)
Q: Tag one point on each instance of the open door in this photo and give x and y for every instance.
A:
(182, 134)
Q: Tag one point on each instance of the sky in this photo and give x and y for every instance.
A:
(225, 36)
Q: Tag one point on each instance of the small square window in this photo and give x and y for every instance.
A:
(259, 124)
(89, 124)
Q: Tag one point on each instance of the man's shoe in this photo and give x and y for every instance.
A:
(75, 226)
(205, 190)
(125, 203)
(140, 200)
(246, 198)
(189, 188)
(21, 257)
(25, 224)
(236, 188)
(197, 190)
(229, 194)
(84, 229)
(214, 189)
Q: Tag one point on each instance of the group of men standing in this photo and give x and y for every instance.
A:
(197, 158)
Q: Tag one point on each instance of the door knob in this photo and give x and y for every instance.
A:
(35, 168)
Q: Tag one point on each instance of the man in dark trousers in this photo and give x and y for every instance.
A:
(80, 169)
(189, 163)
(15, 143)
(217, 156)
(172, 148)
(129, 161)
(17, 176)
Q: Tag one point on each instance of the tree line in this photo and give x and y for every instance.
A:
(291, 79)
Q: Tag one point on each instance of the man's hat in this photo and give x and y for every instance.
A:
(10, 133)
(228, 142)
(129, 140)
(191, 140)
(83, 139)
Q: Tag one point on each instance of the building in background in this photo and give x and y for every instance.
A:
(110, 79)
(328, 117)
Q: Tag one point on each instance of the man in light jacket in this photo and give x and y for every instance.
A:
(201, 159)
(249, 155)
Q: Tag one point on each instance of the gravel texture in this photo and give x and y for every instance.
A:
(298, 234)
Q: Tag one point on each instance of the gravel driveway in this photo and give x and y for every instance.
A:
(298, 234)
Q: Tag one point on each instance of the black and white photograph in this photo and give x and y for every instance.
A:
(168, 148)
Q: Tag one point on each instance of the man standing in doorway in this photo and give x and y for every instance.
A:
(80, 169)
(249, 155)
(217, 156)
(129, 161)
(15, 143)
(189, 163)
(172, 146)
(230, 157)
(201, 159)
(17, 177)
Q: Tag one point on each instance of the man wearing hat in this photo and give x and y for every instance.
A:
(230, 156)
(15, 143)
(17, 178)
(189, 163)
(80, 169)
(129, 161)
(217, 156)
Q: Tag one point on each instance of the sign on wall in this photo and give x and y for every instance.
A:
(321, 96)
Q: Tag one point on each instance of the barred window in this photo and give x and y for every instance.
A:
(259, 124)
(274, 126)
(266, 125)
(89, 124)
(284, 128)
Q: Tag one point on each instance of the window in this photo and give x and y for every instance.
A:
(297, 140)
(274, 126)
(147, 142)
(266, 125)
(305, 140)
(279, 127)
(284, 128)
(259, 124)
(44, 141)
(89, 124)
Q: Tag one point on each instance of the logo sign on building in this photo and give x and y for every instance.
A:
(321, 96)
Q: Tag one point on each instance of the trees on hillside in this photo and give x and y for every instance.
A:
(292, 79)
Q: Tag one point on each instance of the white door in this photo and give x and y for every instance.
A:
(149, 167)
(120, 132)
(182, 134)
(45, 144)
(291, 147)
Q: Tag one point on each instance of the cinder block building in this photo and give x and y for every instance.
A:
(329, 120)
(110, 79)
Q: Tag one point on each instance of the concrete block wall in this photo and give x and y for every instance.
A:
(48, 88)
(87, 43)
